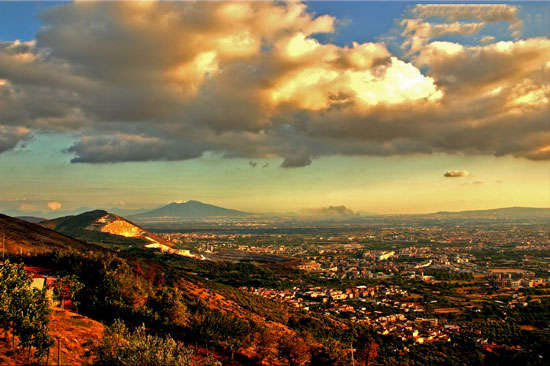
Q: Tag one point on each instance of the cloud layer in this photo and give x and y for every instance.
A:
(170, 81)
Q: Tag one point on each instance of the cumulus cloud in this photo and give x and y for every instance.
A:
(149, 81)
(456, 173)
(54, 205)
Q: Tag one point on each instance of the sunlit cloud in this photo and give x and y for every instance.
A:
(174, 80)
(461, 19)
(54, 205)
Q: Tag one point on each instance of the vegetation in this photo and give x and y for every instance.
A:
(120, 346)
(24, 311)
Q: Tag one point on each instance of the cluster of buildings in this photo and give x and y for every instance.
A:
(397, 319)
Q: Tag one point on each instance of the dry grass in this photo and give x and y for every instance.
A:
(75, 333)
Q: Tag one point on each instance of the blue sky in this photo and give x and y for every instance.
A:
(38, 170)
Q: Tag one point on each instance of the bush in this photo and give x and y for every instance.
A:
(120, 346)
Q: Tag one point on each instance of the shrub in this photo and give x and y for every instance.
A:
(121, 346)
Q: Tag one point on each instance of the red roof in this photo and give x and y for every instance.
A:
(38, 270)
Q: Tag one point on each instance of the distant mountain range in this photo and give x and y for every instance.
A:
(31, 219)
(102, 227)
(499, 213)
(188, 210)
(80, 226)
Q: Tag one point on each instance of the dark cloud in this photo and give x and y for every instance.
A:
(120, 148)
(11, 136)
(296, 161)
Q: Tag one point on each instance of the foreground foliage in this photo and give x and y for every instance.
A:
(120, 346)
(163, 294)
(24, 310)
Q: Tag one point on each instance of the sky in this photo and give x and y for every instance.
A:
(384, 107)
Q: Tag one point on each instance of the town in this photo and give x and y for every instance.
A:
(422, 284)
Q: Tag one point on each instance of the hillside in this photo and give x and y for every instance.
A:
(188, 210)
(196, 302)
(76, 334)
(102, 227)
(28, 238)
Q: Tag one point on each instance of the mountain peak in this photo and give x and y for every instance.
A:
(181, 202)
(190, 209)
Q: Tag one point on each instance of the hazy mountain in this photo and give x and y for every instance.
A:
(102, 227)
(32, 219)
(189, 209)
(508, 212)
(125, 212)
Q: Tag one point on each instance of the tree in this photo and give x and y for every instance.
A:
(25, 309)
(14, 282)
(74, 287)
(330, 353)
(296, 350)
(170, 306)
(369, 352)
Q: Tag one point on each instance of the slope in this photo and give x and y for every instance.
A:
(76, 333)
(104, 228)
(27, 238)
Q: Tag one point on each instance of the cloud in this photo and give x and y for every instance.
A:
(27, 207)
(487, 39)
(456, 173)
(174, 80)
(296, 161)
(121, 147)
(17, 199)
(10, 136)
(459, 19)
(330, 211)
(54, 205)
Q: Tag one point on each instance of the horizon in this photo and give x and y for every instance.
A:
(304, 212)
(383, 108)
